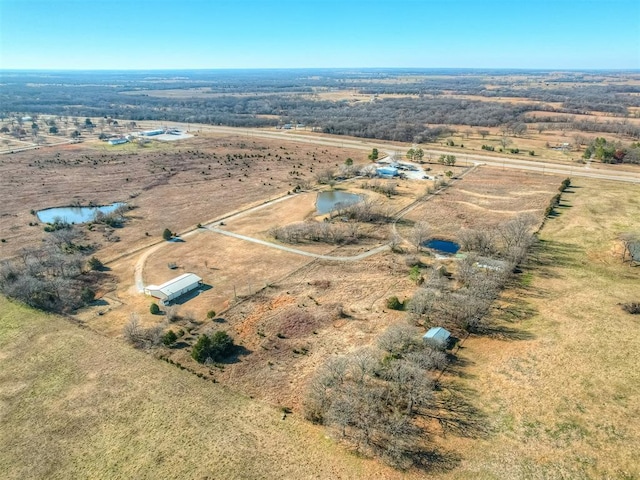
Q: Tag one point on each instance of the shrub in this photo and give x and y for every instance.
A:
(154, 309)
(87, 295)
(212, 348)
(169, 337)
(631, 307)
(211, 314)
(566, 183)
(167, 235)
(394, 303)
(95, 264)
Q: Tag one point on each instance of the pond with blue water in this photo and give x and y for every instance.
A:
(75, 214)
(328, 201)
(442, 246)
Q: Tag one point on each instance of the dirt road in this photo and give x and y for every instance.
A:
(613, 173)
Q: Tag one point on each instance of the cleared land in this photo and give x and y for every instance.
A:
(559, 382)
(170, 185)
(145, 418)
(74, 404)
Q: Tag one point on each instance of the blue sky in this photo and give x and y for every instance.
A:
(184, 34)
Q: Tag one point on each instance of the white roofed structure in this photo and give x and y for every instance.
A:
(174, 288)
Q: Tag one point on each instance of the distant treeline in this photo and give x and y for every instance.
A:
(276, 97)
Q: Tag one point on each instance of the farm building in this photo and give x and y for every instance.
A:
(387, 172)
(151, 133)
(174, 288)
(117, 141)
(438, 337)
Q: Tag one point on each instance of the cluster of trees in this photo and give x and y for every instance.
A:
(141, 337)
(376, 398)
(277, 100)
(388, 188)
(612, 152)
(311, 231)
(448, 160)
(212, 348)
(494, 254)
(415, 154)
(348, 230)
(51, 277)
(366, 211)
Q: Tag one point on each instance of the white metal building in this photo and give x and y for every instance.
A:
(174, 288)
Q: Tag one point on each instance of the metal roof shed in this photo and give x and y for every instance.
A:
(174, 288)
(437, 336)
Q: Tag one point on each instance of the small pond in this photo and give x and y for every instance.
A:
(327, 201)
(442, 246)
(75, 214)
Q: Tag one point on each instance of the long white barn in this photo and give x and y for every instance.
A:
(174, 288)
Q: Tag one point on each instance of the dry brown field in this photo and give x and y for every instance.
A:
(323, 308)
(165, 182)
(290, 312)
(559, 380)
(76, 404)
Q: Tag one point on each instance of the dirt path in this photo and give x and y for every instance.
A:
(604, 173)
(214, 227)
(302, 252)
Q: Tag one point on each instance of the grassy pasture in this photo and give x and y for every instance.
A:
(74, 404)
(559, 379)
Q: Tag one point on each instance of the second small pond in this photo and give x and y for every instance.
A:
(442, 246)
(327, 201)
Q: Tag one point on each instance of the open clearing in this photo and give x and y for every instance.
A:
(560, 386)
(74, 404)
(556, 381)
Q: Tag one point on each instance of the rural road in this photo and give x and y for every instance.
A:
(140, 263)
(604, 173)
(301, 252)
(367, 145)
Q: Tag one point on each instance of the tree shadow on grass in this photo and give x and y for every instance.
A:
(504, 332)
(458, 366)
(516, 309)
(235, 356)
(433, 460)
(456, 413)
(551, 253)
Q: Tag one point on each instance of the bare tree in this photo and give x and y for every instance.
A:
(505, 141)
(419, 234)
(480, 241)
(132, 330)
(397, 339)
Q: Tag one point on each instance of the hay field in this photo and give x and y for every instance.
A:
(74, 404)
(562, 387)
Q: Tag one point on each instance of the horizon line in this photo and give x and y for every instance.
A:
(197, 69)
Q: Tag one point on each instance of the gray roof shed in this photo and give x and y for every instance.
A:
(437, 335)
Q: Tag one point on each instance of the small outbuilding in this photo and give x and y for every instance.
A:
(172, 289)
(387, 172)
(152, 133)
(438, 337)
